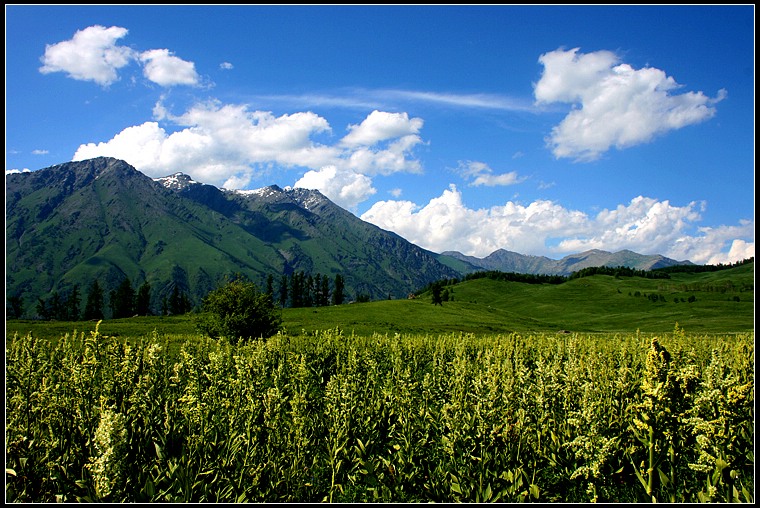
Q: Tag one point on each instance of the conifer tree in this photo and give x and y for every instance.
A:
(142, 304)
(93, 308)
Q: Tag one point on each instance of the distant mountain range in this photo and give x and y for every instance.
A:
(102, 219)
(506, 261)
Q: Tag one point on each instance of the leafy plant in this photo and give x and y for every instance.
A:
(238, 310)
(385, 418)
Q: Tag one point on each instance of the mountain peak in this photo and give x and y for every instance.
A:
(269, 190)
(177, 181)
(101, 219)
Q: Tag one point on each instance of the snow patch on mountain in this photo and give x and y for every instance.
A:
(177, 181)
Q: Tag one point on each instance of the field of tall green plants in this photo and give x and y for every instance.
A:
(328, 416)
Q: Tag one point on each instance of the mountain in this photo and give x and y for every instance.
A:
(506, 261)
(102, 219)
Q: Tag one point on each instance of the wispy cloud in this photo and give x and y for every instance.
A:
(481, 101)
(480, 174)
(365, 98)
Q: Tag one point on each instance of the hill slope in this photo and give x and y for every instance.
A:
(102, 219)
(722, 302)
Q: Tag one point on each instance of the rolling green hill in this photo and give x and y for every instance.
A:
(599, 303)
(723, 302)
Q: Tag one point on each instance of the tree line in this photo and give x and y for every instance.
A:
(704, 268)
(618, 271)
(295, 290)
(305, 290)
(124, 301)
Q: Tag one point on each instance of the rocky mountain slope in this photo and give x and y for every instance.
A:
(102, 219)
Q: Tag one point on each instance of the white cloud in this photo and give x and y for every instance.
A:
(226, 66)
(724, 244)
(393, 159)
(345, 188)
(139, 145)
(39, 152)
(619, 106)
(165, 69)
(380, 126)
(240, 181)
(227, 145)
(481, 174)
(644, 225)
(91, 55)
(94, 55)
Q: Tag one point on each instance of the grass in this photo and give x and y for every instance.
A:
(600, 303)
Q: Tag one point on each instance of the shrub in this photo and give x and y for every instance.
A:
(238, 310)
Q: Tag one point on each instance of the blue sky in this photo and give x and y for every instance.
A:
(544, 130)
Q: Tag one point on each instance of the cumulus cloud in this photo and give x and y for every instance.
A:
(91, 55)
(395, 158)
(644, 225)
(94, 55)
(228, 145)
(709, 246)
(613, 104)
(165, 69)
(216, 142)
(226, 66)
(481, 174)
(380, 126)
(345, 188)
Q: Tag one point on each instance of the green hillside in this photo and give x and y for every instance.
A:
(600, 303)
(723, 301)
(101, 219)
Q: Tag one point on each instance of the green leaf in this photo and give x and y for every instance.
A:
(149, 489)
(534, 491)
(641, 478)
(664, 479)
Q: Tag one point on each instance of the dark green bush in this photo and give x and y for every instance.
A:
(238, 310)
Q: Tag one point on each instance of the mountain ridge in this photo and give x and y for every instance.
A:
(72, 223)
(508, 261)
(102, 219)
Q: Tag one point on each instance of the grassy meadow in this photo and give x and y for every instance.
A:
(600, 303)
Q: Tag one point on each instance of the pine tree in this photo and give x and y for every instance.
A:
(283, 290)
(55, 309)
(72, 304)
(270, 286)
(337, 296)
(16, 304)
(123, 300)
(93, 308)
(142, 303)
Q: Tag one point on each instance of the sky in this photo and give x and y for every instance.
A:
(543, 130)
